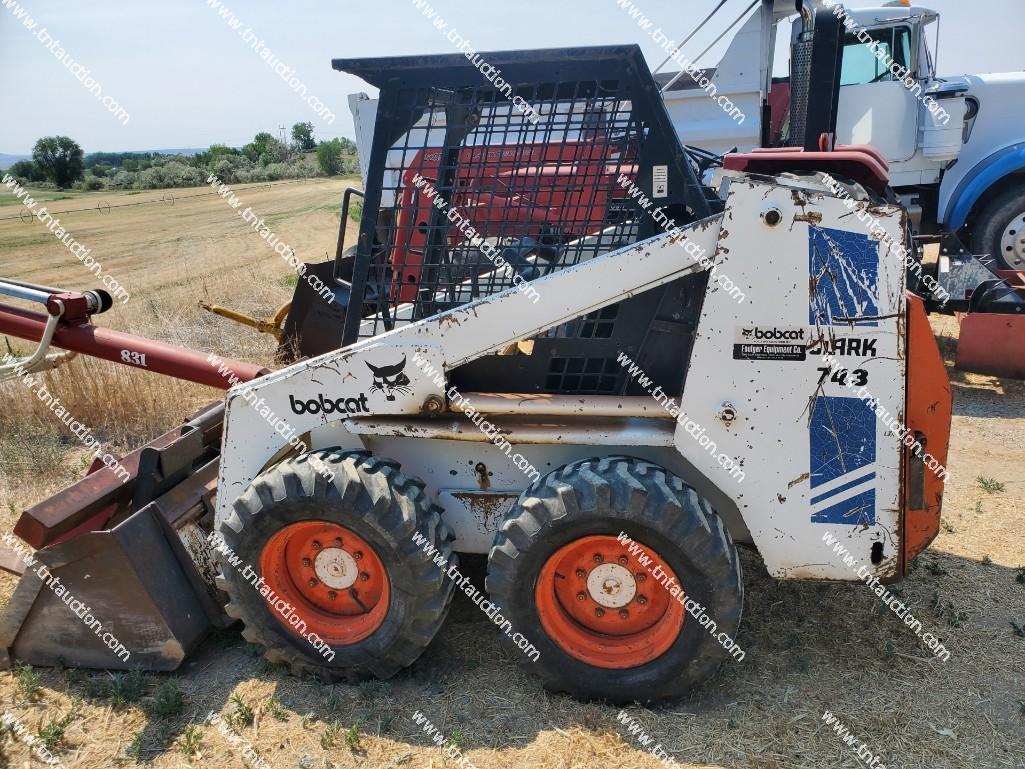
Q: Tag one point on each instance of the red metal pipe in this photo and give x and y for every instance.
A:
(130, 350)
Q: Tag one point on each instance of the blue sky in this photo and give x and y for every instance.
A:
(187, 80)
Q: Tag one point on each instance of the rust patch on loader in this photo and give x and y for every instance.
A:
(812, 217)
(488, 509)
(798, 479)
(481, 470)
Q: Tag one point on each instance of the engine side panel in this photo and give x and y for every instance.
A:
(800, 363)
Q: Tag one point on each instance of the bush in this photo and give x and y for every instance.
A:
(122, 180)
(179, 174)
(307, 167)
(329, 157)
(152, 179)
(27, 171)
(227, 168)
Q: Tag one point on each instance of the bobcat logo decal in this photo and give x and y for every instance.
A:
(390, 379)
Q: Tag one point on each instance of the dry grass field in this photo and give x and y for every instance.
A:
(809, 647)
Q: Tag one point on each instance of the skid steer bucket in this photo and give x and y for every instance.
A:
(115, 570)
(123, 578)
(129, 597)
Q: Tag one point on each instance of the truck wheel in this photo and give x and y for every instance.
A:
(610, 622)
(999, 229)
(324, 572)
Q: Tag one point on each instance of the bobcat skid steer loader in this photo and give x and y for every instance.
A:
(559, 349)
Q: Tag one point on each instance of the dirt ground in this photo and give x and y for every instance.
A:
(809, 647)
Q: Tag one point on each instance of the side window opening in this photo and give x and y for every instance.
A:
(861, 62)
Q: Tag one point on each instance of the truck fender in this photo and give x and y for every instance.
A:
(984, 175)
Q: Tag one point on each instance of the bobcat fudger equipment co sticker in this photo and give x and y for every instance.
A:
(769, 343)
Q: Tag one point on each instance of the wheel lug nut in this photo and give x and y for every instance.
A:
(641, 577)
(581, 596)
(622, 560)
(598, 558)
(599, 612)
(312, 582)
(358, 555)
(364, 577)
(581, 573)
(642, 600)
(332, 594)
(624, 614)
(316, 544)
(338, 541)
(307, 562)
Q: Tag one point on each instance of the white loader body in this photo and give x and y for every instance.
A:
(814, 456)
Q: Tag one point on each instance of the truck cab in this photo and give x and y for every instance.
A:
(955, 144)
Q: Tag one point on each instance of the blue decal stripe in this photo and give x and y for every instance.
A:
(844, 487)
(860, 509)
(842, 443)
(843, 268)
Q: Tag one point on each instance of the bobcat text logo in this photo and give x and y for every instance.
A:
(390, 379)
(772, 334)
(322, 405)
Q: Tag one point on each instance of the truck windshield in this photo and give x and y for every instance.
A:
(868, 59)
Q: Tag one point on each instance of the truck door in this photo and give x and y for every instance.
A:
(875, 107)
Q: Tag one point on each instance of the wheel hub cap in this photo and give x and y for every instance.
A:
(336, 568)
(1012, 243)
(611, 585)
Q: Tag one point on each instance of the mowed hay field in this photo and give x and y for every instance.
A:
(809, 647)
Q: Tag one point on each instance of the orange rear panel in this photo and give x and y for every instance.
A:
(929, 405)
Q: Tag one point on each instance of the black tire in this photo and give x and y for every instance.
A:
(606, 497)
(372, 498)
(991, 223)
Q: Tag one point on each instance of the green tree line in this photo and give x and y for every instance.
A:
(59, 161)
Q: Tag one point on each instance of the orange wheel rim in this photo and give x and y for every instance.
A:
(601, 606)
(324, 579)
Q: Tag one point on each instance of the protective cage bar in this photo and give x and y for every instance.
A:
(536, 171)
